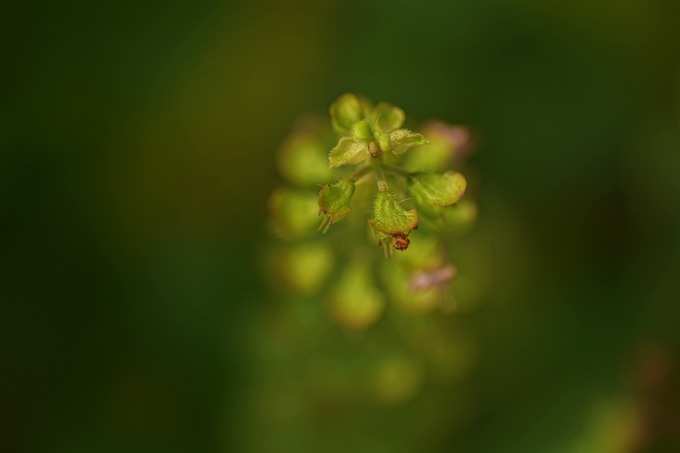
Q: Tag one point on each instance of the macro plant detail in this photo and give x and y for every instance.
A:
(362, 183)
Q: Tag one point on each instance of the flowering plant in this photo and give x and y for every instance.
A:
(383, 181)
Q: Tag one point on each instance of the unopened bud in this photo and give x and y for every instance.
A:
(334, 202)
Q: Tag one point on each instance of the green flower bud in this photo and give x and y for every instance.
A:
(443, 142)
(346, 111)
(334, 202)
(386, 117)
(355, 302)
(361, 130)
(390, 217)
(348, 151)
(433, 190)
(402, 140)
(383, 141)
(302, 269)
(294, 213)
(391, 222)
(461, 216)
(303, 160)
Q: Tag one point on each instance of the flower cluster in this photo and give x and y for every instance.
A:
(381, 180)
(373, 140)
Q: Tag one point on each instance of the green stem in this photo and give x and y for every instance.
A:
(380, 175)
(360, 173)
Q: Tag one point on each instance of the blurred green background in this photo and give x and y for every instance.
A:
(138, 143)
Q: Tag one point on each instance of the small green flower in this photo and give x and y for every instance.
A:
(461, 216)
(433, 191)
(401, 140)
(334, 202)
(302, 160)
(348, 151)
(391, 222)
(294, 213)
(386, 117)
(385, 121)
(347, 110)
(444, 143)
(355, 302)
(362, 130)
(303, 268)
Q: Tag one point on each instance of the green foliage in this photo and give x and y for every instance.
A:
(380, 177)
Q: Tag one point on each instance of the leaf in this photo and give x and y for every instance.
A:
(390, 217)
(438, 190)
(348, 151)
(346, 111)
(386, 118)
(403, 139)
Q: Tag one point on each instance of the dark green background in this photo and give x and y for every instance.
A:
(137, 155)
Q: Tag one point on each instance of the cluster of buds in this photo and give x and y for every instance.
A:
(381, 178)
(372, 140)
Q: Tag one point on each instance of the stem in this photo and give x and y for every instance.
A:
(360, 173)
(380, 175)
